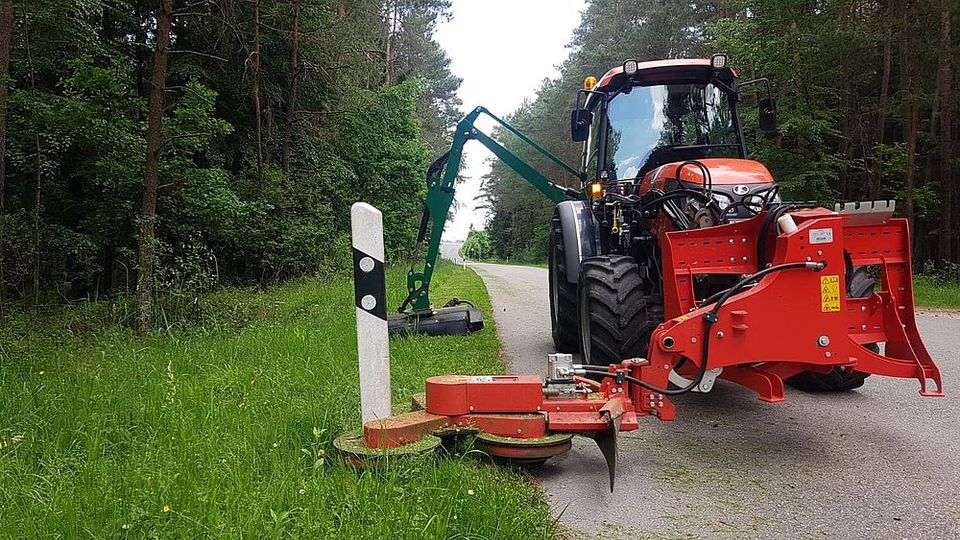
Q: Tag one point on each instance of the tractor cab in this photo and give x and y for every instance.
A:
(641, 121)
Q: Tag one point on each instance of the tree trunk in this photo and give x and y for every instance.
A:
(6, 29)
(882, 116)
(390, 25)
(37, 201)
(944, 79)
(151, 176)
(255, 90)
(38, 184)
(292, 77)
(271, 136)
(910, 115)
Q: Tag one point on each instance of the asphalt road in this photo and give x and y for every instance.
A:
(879, 462)
(451, 251)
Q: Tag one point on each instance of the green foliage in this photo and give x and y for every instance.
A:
(838, 138)
(477, 246)
(77, 124)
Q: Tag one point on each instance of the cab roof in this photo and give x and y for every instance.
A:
(665, 71)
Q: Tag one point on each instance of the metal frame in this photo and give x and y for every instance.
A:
(440, 194)
(747, 336)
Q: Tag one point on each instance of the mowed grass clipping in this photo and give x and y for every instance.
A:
(227, 431)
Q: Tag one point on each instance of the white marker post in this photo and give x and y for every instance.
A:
(370, 294)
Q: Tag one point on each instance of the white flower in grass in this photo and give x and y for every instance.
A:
(471, 492)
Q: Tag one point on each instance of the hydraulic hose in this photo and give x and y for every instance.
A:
(769, 220)
(704, 170)
(709, 319)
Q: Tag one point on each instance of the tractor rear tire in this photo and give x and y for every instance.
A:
(617, 317)
(839, 379)
(563, 295)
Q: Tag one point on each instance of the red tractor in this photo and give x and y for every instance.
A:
(664, 148)
(675, 264)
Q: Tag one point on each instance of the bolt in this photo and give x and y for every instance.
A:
(719, 334)
(660, 404)
(864, 328)
(519, 431)
(827, 354)
(731, 240)
(366, 264)
(471, 407)
(809, 259)
(823, 341)
(744, 240)
(693, 339)
(863, 308)
(538, 407)
(732, 259)
(819, 252)
(744, 259)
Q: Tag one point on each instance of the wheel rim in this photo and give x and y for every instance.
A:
(554, 286)
(584, 307)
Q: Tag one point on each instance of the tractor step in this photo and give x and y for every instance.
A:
(457, 320)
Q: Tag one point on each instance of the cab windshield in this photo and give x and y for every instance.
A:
(648, 126)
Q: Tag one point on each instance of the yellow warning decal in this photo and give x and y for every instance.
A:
(829, 293)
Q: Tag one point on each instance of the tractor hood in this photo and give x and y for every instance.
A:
(723, 172)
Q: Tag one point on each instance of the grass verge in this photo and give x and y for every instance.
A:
(931, 292)
(225, 430)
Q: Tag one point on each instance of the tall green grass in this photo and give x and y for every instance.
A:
(225, 429)
(935, 292)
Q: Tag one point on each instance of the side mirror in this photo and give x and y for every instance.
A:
(580, 120)
(768, 115)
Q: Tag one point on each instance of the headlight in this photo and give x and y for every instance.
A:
(722, 200)
(754, 203)
(718, 61)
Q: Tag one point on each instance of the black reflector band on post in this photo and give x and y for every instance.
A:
(370, 290)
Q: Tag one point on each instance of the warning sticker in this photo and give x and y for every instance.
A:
(829, 293)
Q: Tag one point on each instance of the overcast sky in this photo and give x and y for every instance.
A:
(502, 49)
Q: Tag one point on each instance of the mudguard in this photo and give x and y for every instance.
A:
(579, 234)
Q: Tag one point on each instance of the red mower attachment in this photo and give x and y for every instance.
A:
(790, 316)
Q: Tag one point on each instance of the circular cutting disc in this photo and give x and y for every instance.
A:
(354, 449)
(524, 451)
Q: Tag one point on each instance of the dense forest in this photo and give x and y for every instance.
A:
(170, 145)
(866, 95)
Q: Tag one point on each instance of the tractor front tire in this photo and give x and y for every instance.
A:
(840, 379)
(563, 294)
(617, 317)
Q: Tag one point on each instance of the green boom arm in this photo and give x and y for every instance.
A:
(441, 178)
